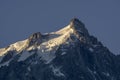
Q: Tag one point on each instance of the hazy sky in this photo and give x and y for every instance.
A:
(20, 18)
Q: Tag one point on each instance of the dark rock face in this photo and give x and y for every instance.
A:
(8, 56)
(79, 27)
(78, 60)
(79, 30)
(35, 38)
(79, 63)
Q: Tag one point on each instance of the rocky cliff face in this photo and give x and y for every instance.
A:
(68, 54)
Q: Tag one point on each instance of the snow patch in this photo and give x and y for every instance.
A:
(56, 71)
(64, 30)
(1, 57)
(5, 63)
(25, 55)
(92, 73)
(31, 48)
(18, 46)
(91, 49)
(46, 56)
(63, 53)
(29, 69)
(106, 74)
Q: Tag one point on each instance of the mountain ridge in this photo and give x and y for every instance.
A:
(36, 38)
(70, 53)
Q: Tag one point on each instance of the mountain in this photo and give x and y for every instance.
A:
(70, 53)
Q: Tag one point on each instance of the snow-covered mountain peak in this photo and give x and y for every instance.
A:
(75, 25)
(48, 44)
(49, 40)
(67, 54)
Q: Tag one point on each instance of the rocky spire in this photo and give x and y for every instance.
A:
(35, 38)
(79, 29)
(77, 25)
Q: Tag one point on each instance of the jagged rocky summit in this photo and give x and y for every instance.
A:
(70, 53)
